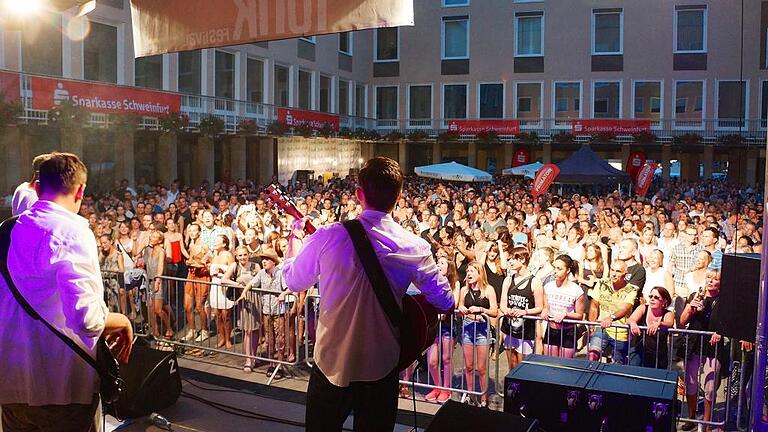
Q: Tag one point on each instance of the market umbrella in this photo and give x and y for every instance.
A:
(524, 170)
(453, 171)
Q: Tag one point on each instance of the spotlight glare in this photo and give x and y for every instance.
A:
(22, 8)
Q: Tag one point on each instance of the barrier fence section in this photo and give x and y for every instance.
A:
(258, 325)
(672, 349)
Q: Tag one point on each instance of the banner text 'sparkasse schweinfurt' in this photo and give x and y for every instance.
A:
(48, 93)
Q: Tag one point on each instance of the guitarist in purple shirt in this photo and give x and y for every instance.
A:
(358, 348)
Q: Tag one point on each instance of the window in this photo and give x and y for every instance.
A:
(325, 94)
(689, 97)
(530, 34)
(386, 44)
(345, 43)
(731, 103)
(764, 102)
(189, 72)
(224, 74)
(100, 53)
(148, 72)
(567, 98)
(255, 80)
(647, 100)
(690, 29)
(456, 37)
(607, 99)
(305, 90)
(491, 100)
(455, 101)
(386, 104)
(453, 3)
(281, 86)
(360, 108)
(528, 102)
(607, 32)
(343, 101)
(41, 45)
(420, 102)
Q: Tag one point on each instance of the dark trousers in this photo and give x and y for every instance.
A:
(50, 418)
(374, 404)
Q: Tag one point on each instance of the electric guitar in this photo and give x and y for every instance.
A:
(420, 323)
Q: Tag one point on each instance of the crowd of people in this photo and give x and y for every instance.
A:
(637, 266)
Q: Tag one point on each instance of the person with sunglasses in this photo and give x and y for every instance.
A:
(651, 349)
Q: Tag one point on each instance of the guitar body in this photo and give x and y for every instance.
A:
(420, 326)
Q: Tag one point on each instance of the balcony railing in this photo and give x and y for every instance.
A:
(233, 112)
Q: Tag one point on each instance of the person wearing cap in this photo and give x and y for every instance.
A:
(269, 282)
(357, 349)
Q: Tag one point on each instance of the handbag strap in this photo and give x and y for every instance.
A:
(374, 271)
(5, 244)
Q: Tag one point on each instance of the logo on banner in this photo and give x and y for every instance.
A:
(618, 127)
(502, 127)
(645, 178)
(49, 93)
(634, 163)
(544, 178)
(315, 120)
(521, 157)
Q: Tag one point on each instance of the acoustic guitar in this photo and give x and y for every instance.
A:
(420, 323)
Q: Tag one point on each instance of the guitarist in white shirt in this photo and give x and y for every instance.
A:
(357, 348)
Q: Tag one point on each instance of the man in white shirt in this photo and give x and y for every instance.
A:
(53, 261)
(357, 349)
(25, 195)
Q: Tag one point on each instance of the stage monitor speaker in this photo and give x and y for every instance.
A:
(568, 395)
(739, 292)
(458, 417)
(152, 382)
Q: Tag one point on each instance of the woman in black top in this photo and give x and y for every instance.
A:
(477, 298)
(521, 294)
(701, 313)
(652, 349)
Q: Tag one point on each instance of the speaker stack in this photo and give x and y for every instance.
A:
(739, 292)
(152, 383)
(569, 395)
(458, 417)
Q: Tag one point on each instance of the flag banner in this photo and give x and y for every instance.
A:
(544, 178)
(645, 178)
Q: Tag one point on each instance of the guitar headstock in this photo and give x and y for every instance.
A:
(281, 201)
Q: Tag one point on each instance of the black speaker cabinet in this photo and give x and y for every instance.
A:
(152, 383)
(569, 395)
(458, 417)
(739, 292)
(548, 389)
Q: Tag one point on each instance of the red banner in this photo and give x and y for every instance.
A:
(645, 178)
(502, 127)
(635, 162)
(521, 157)
(544, 177)
(619, 127)
(315, 120)
(9, 86)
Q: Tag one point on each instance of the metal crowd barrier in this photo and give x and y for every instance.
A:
(680, 344)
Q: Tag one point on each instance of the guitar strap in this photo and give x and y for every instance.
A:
(5, 244)
(374, 271)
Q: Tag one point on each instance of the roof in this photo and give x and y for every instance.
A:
(586, 167)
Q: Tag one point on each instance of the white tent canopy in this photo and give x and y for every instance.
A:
(453, 171)
(529, 170)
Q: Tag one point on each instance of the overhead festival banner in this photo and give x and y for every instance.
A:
(645, 178)
(521, 157)
(315, 120)
(544, 178)
(502, 127)
(48, 93)
(618, 127)
(9, 86)
(161, 26)
(635, 162)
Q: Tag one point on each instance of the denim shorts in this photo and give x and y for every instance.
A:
(474, 332)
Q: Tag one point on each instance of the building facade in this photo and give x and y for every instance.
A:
(693, 68)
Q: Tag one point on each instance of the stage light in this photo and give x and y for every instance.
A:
(86, 8)
(22, 8)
